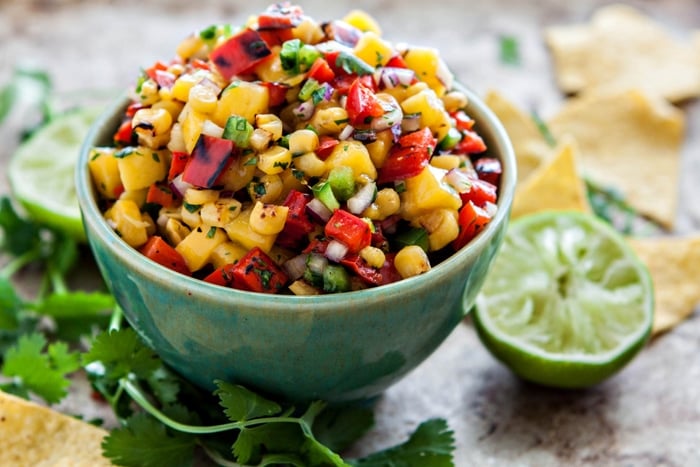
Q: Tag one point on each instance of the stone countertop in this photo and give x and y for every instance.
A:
(647, 415)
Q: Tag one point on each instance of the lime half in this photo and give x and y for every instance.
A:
(41, 171)
(567, 302)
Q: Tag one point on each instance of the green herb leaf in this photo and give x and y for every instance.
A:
(10, 305)
(353, 65)
(43, 373)
(338, 428)
(7, 100)
(271, 438)
(510, 50)
(19, 235)
(241, 404)
(431, 445)
(145, 442)
(122, 352)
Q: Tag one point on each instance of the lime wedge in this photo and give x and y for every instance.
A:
(40, 172)
(567, 303)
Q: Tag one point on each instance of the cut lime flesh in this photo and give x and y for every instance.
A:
(567, 303)
(41, 171)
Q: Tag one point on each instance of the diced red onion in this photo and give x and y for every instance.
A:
(391, 77)
(346, 132)
(365, 136)
(179, 186)
(317, 263)
(295, 267)
(362, 199)
(459, 180)
(165, 79)
(392, 113)
(335, 251)
(318, 210)
(210, 128)
(305, 110)
(327, 91)
(410, 123)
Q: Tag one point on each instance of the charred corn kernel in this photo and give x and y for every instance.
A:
(202, 98)
(227, 253)
(373, 256)
(442, 227)
(244, 99)
(125, 218)
(308, 31)
(240, 232)
(152, 126)
(373, 50)
(220, 212)
(310, 165)
(301, 287)
(270, 123)
(172, 106)
(239, 173)
(274, 160)
(175, 231)
(352, 154)
(150, 224)
(379, 149)
(329, 121)
(268, 219)
(291, 180)
(362, 21)
(260, 139)
(266, 189)
(148, 92)
(388, 202)
(446, 161)
(168, 213)
(411, 261)
(302, 141)
(137, 196)
(190, 46)
(182, 86)
(455, 100)
(140, 167)
(197, 247)
(199, 197)
(189, 213)
(104, 171)
(177, 141)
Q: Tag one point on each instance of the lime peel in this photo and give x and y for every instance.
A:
(567, 302)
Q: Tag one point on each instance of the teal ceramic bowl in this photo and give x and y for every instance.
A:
(338, 347)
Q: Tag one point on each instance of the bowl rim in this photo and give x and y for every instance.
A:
(94, 221)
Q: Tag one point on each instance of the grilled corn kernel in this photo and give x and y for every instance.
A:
(274, 160)
(268, 219)
(260, 139)
(182, 86)
(190, 46)
(175, 231)
(454, 100)
(266, 189)
(270, 123)
(373, 256)
(446, 161)
(329, 121)
(155, 120)
(303, 141)
(189, 213)
(148, 93)
(411, 261)
(172, 106)
(202, 98)
(198, 197)
(388, 202)
(301, 287)
(442, 227)
(177, 141)
(220, 212)
(310, 165)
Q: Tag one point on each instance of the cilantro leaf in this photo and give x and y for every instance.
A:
(75, 304)
(10, 305)
(122, 352)
(63, 253)
(268, 438)
(241, 404)
(339, 427)
(145, 442)
(431, 445)
(165, 386)
(20, 236)
(43, 373)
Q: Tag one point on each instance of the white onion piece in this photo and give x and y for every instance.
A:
(346, 132)
(490, 208)
(393, 114)
(410, 123)
(295, 267)
(305, 110)
(444, 74)
(335, 251)
(459, 180)
(362, 199)
(317, 263)
(318, 210)
(179, 186)
(210, 128)
(392, 77)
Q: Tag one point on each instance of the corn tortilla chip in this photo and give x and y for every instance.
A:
(629, 141)
(555, 185)
(674, 264)
(528, 143)
(33, 435)
(621, 48)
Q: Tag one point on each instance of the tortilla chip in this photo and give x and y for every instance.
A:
(621, 48)
(38, 436)
(528, 143)
(674, 264)
(629, 141)
(555, 185)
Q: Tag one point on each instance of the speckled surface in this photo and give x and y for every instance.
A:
(648, 415)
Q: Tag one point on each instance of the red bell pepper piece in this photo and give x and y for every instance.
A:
(321, 71)
(384, 275)
(480, 192)
(200, 64)
(408, 157)
(157, 66)
(257, 272)
(298, 224)
(133, 108)
(471, 143)
(162, 253)
(222, 276)
(325, 146)
(124, 134)
(349, 230)
(177, 164)
(472, 219)
(280, 16)
(277, 93)
(210, 157)
(463, 122)
(362, 104)
(240, 53)
(396, 61)
(489, 169)
(273, 37)
(161, 194)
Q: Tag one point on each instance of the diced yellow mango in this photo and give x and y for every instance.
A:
(227, 253)
(428, 65)
(431, 109)
(197, 247)
(198, 197)
(373, 50)
(352, 154)
(301, 287)
(427, 191)
(239, 231)
(239, 173)
(308, 31)
(379, 149)
(446, 161)
(329, 120)
(126, 219)
(362, 21)
(191, 126)
(442, 226)
(268, 219)
(141, 167)
(243, 99)
(137, 196)
(274, 160)
(104, 171)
